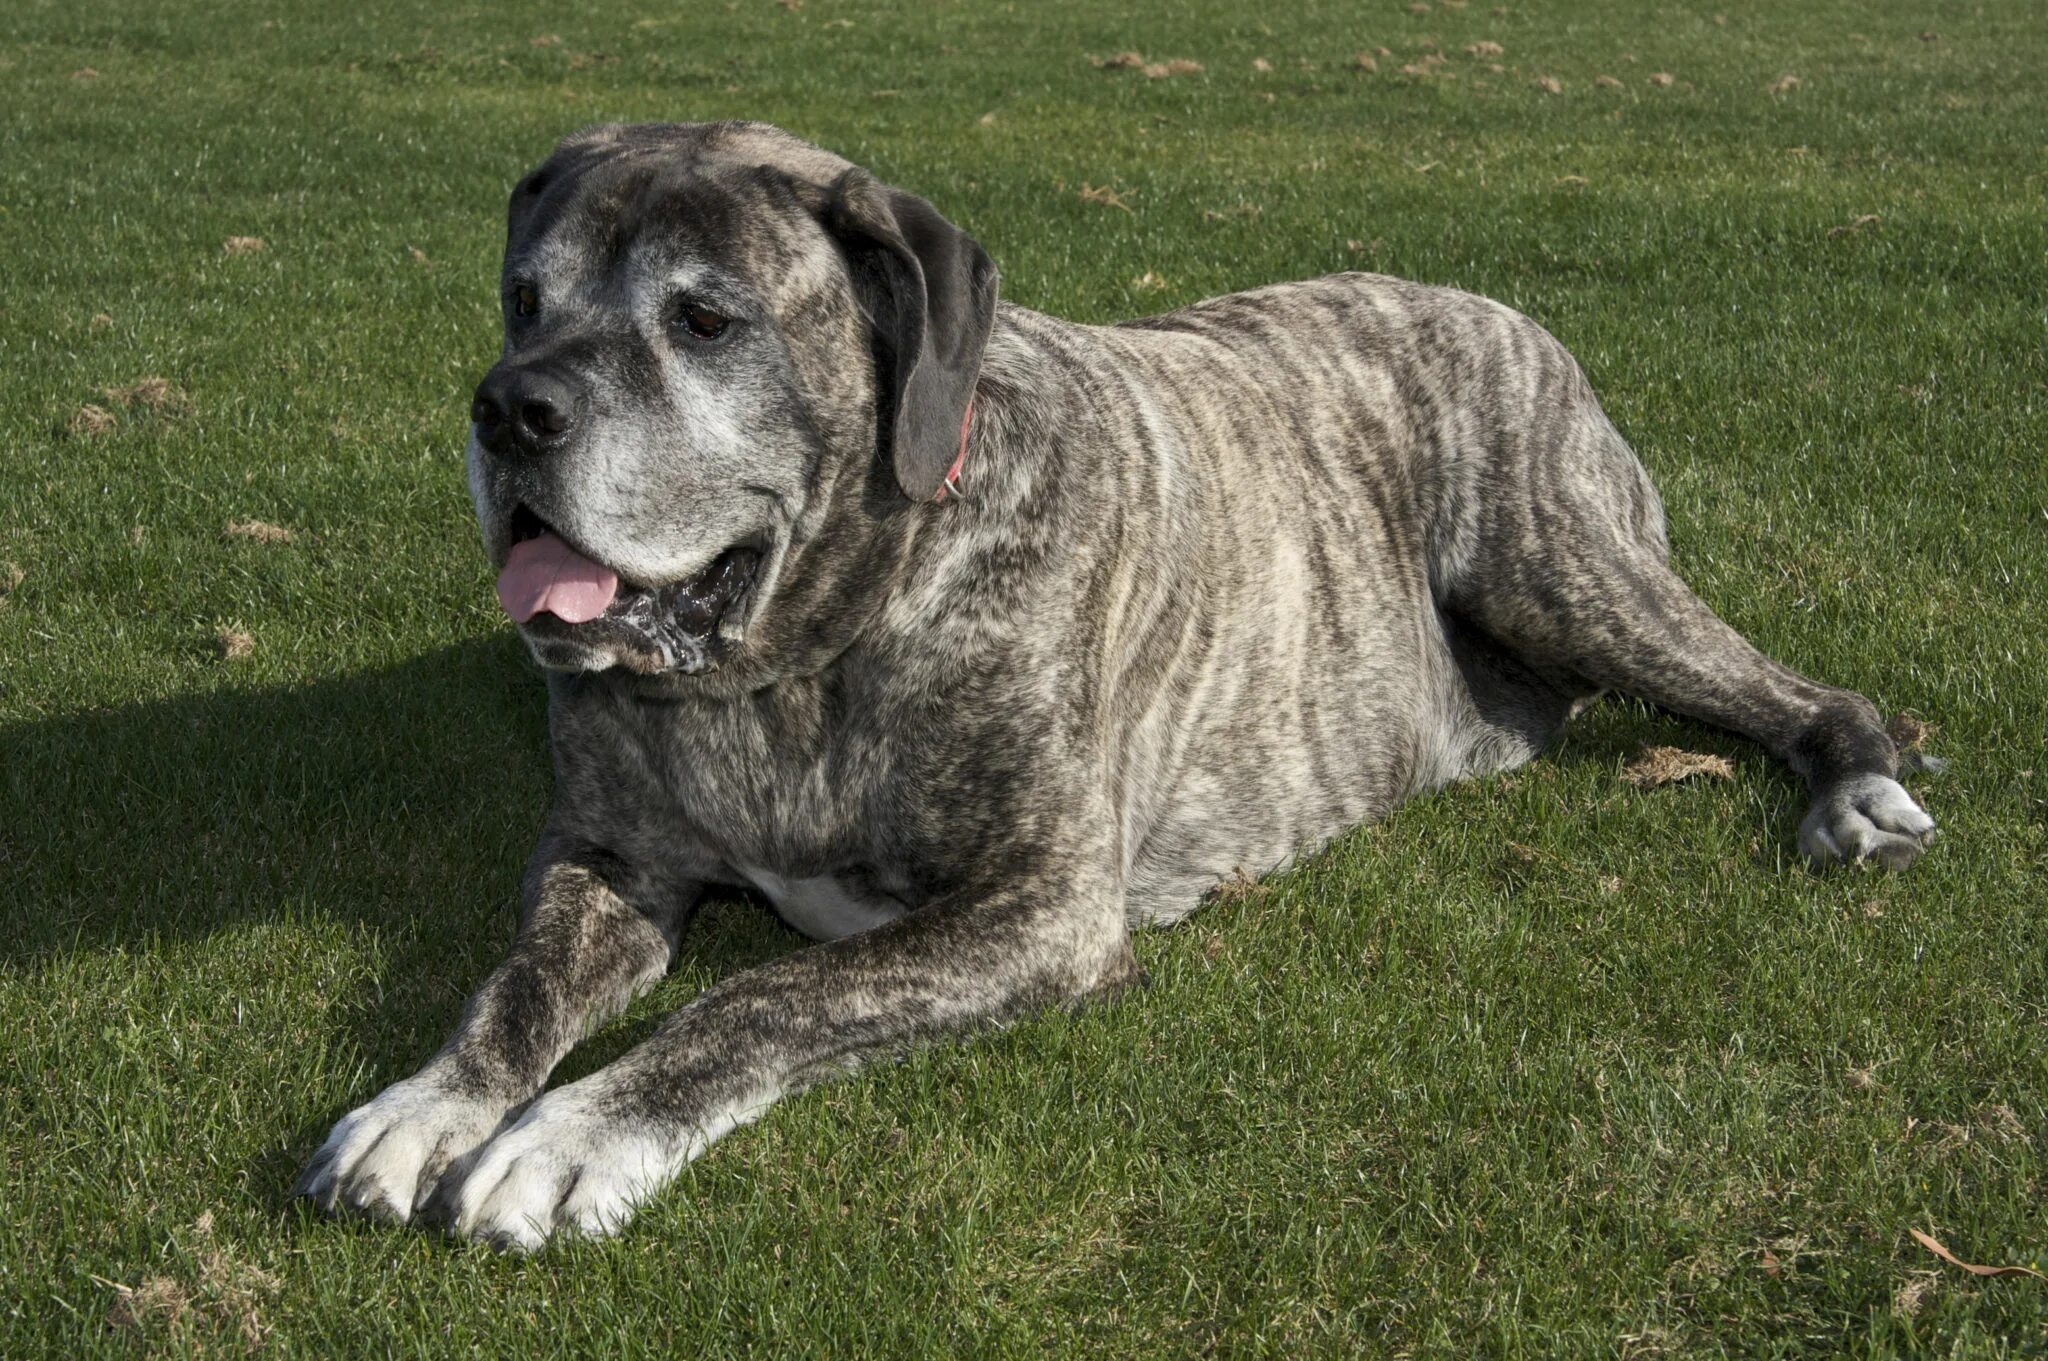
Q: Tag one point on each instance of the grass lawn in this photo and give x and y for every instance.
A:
(1542, 1064)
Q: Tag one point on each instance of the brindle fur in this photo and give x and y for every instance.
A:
(1215, 586)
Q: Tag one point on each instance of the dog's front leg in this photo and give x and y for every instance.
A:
(581, 954)
(585, 1155)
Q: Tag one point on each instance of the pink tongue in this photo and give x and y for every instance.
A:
(547, 574)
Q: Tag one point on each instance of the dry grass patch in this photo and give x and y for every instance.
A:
(1104, 194)
(1909, 732)
(92, 420)
(222, 1291)
(159, 1300)
(1239, 888)
(258, 531)
(1656, 766)
(1914, 1292)
(152, 392)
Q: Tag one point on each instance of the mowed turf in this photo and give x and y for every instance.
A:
(1544, 1064)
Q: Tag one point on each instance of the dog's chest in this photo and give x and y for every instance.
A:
(781, 797)
(828, 906)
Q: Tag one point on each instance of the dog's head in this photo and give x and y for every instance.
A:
(720, 343)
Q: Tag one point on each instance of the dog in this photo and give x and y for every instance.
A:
(974, 639)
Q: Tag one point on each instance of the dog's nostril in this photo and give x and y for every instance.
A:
(544, 417)
(489, 418)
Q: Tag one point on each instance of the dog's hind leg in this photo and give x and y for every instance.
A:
(1508, 711)
(1564, 563)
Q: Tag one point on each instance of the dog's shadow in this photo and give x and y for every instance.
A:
(195, 814)
(398, 803)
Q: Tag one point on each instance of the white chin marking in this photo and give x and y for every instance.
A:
(1866, 817)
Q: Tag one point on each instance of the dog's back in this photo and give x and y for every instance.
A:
(1263, 567)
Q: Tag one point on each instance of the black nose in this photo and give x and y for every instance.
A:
(528, 411)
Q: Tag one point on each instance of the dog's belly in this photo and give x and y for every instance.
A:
(826, 907)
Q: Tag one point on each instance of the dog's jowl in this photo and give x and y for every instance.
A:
(974, 639)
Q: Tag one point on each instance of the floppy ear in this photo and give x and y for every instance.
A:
(933, 290)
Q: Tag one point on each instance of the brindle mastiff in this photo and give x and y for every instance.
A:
(974, 638)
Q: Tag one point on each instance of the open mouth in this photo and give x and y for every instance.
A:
(554, 591)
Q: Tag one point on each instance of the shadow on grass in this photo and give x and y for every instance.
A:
(351, 797)
(401, 801)
(404, 799)
(1616, 729)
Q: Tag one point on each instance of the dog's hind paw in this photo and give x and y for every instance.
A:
(385, 1158)
(1865, 817)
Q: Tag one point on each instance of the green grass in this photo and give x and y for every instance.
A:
(1543, 1064)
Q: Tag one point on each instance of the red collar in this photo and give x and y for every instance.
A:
(952, 482)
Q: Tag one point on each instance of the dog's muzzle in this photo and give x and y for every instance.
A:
(572, 606)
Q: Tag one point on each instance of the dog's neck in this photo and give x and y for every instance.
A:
(869, 554)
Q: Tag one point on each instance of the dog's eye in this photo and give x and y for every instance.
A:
(525, 302)
(701, 321)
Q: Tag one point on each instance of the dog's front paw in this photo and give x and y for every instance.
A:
(565, 1164)
(385, 1158)
(1866, 817)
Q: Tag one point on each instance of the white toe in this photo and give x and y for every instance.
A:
(385, 1157)
(561, 1166)
(1866, 817)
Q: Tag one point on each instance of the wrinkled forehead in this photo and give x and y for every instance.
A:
(736, 199)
